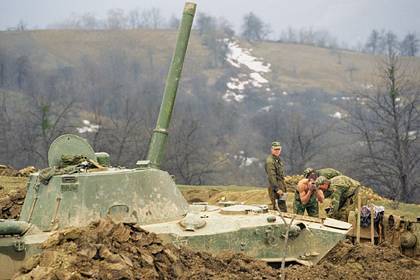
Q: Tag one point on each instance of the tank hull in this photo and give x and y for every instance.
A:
(252, 235)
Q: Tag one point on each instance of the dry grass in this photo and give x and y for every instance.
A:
(294, 67)
(10, 183)
(300, 67)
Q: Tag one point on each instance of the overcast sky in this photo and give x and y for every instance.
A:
(348, 20)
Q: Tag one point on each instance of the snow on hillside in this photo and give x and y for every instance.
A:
(253, 67)
(88, 127)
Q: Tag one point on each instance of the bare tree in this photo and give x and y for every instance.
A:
(89, 21)
(174, 22)
(151, 18)
(191, 157)
(387, 124)
(351, 69)
(21, 26)
(303, 139)
(410, 45)
(213, 33)
(134, 19)
(23, 70)
(372, 44)
(390, 43)
(116, 19)
(253, 28)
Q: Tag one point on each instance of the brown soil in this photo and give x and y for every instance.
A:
(105, 250)
(364, 261)
(12, 190)
(6, 170)
(11, 203)
(252, 196)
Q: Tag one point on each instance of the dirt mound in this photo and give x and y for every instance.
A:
(105, 250)
(256, 195)
(364, 261)
(11, 203)
(6, 170)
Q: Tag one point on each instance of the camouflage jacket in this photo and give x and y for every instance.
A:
(328, 173)
(341, 190)
(274, 168)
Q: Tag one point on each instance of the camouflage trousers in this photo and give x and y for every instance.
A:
(273, 197)
(343, 213)
(311, 207)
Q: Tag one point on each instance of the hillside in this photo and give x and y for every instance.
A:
(294, 67)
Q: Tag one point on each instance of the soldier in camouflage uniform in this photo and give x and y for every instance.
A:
(328, 173)
(343, 192)
(274, 168)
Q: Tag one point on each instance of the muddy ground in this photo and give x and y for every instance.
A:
(364, 261)
(106, 250)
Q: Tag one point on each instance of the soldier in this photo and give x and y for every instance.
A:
(307, 195)
(328, 173)
(342, 191)
(274, 168)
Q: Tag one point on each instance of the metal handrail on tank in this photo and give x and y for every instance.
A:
(160, 134)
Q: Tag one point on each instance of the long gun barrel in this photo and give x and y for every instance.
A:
(160, 133)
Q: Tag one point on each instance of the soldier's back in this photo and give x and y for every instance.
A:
(344, 181)
(328, 173)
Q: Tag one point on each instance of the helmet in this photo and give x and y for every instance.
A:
(321, 180)
(308, 171)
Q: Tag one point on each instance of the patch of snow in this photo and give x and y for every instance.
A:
(257, 77)
(237, 85)
(238, 56)
(249, 161)
(361, 143)
(230, 96)
(337, 115)
(290, 104)
(412, 135)
(367, 86)
(89, 127)
(266, 108)
(334, 98)
(284, 93)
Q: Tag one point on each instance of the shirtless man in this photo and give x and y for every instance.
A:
(307, 196)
